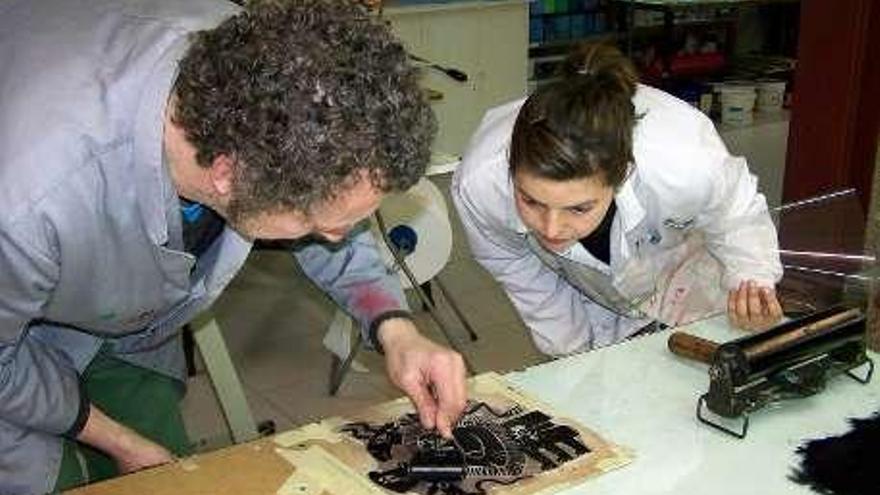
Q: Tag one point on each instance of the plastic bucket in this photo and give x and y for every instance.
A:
(771, 94)
(737, 103)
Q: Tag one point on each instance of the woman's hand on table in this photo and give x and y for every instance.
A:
(752, 307)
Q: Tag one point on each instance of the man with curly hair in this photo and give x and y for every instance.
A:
(144, 146)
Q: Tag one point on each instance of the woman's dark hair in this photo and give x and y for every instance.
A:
(302, 94)
(581, 125)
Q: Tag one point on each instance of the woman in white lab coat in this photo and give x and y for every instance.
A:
(603, 206)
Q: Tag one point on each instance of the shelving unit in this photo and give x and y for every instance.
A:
(681, 45)
(674, 40)
(686, 39)
(555, 25)
(669, 40)
(565, 20)
(667, 24)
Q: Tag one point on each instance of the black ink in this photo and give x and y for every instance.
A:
(489, 447)
(842, 464)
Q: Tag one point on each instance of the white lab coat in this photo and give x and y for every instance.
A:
(690, 225)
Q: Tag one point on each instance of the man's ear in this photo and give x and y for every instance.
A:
(221, 175)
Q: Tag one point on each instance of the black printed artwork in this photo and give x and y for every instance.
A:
(844, 463)
(489, 448)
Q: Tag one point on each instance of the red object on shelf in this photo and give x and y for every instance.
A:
(694, 64)
(697, 63)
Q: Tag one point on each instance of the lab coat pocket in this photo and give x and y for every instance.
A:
(691, 287)
(676, 285)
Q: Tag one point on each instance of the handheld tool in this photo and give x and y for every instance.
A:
(452, 72)
(792, 360)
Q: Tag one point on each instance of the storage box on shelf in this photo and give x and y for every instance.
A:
(564, 20)
(557, 25)
(676, 40)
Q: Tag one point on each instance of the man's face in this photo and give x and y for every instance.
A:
(330, 220)
(560, 213)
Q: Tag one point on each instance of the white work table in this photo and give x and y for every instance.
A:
(640, 395)
(636, 394)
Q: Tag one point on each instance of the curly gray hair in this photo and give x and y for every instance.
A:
(303, 94)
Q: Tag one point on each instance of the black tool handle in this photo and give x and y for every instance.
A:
(692, 347)
(437, 473)
(456, 74)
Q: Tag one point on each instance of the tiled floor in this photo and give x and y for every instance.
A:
(274, 320)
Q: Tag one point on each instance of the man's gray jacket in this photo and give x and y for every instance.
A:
(90, 231)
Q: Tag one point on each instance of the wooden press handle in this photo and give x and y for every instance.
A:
(770, 345)
(692, 347)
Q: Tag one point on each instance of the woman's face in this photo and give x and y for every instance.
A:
(561, 212)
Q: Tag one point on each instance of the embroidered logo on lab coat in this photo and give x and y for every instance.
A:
(651, 237)
(674, 223)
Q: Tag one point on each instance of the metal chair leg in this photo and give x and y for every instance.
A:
(339, 367)
(452, 304)
(432, 309)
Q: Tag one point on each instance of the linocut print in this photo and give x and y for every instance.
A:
(505, 443)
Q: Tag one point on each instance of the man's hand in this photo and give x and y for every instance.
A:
(753, 308)
(432, 376)
(131, 451)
